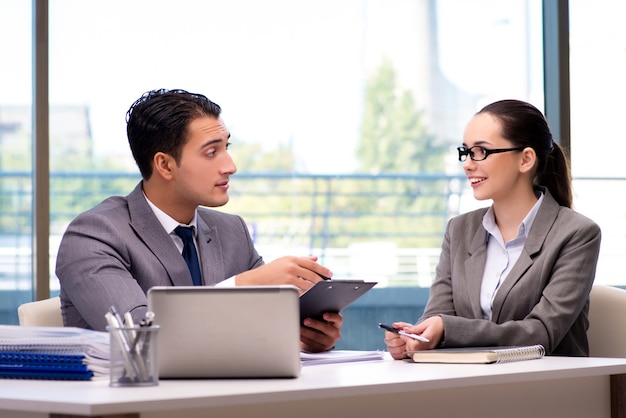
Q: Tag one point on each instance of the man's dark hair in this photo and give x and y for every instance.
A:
(158, 122)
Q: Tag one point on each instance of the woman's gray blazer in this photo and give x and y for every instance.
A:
(543, 300)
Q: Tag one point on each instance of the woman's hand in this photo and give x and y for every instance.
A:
(397, 345)
(431, 328)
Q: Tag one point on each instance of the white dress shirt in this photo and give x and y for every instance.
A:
(170, 224)
(501, 256)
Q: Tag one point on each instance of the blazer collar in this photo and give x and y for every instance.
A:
(475, 266)
(210, 250)
(546, 216)
(148, 228)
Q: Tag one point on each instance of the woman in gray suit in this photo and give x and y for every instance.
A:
(520, 271)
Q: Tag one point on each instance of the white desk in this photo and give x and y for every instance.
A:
(550, 387)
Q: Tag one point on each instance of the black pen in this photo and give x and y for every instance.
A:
(401, 332)
(147, 319)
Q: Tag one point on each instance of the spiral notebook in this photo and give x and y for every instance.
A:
(38, 352)
(20, 365)
(478, 355)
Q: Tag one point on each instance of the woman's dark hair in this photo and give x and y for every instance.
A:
(525, 126)
(158, 122)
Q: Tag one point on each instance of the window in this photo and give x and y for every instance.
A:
(15, 159)
(598, 86)
(301, 85)
(344, 115)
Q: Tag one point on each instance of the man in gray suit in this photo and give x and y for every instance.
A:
(113, 253)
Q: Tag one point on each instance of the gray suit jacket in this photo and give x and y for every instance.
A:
(113, 253)
(543, 300)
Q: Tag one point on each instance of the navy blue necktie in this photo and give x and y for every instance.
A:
(189, 253)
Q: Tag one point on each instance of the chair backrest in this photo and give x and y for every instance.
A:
(607, 327)
(41, 313)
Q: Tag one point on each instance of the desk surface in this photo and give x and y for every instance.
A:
(316, 382)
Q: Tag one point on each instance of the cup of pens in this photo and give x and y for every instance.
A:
(134, 360)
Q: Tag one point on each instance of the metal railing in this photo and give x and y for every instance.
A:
(386, 227)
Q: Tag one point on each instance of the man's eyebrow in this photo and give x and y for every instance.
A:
(213, 141)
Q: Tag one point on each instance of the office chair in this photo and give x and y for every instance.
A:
(41, 313)
(607, 330)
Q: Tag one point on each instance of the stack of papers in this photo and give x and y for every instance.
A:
(339, 356)
(92, 346)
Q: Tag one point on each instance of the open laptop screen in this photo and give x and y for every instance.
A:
(224, 332)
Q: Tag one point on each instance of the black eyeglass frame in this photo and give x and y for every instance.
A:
(464, 152)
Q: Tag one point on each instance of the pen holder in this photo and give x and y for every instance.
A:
(134, 360)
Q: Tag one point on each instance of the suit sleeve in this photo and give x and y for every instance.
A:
(441, 301)
(94, 269)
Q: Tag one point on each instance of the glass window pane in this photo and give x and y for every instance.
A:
(300, 85)
(344, 116)
(15, 158)
(598, 86)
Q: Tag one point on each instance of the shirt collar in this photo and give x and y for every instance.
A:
(169, 223)
(489, 219)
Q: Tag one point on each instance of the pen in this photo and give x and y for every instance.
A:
(115, 332)
(401, 332)
(147, 319)
(146, 322)
(136, 351)
(117, 316)
(129, 323)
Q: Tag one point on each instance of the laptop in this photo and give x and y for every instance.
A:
(227, 332)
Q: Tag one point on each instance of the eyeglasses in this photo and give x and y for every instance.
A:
(478, 153)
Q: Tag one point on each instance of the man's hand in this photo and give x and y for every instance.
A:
(302, 272)
(317, 336)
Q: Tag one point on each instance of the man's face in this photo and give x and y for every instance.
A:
(205, 164)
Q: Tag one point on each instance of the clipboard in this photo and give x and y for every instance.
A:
(331, 296)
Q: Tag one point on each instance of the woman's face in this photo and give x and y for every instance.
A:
(498, 176)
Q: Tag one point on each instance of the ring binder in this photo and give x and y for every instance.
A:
(53, 353)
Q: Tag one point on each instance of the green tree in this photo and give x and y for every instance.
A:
(394, 137)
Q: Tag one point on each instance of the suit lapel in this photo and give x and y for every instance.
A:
(213, 270)
(546, 216)
(474, 268)
(151, 232)
(521, 266)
